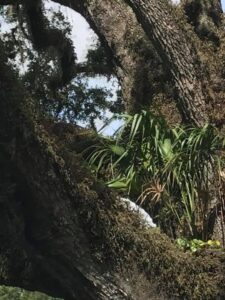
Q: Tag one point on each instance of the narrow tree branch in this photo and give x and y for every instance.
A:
(91, 70)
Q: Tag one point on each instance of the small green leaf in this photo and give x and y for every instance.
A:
(117, 184)
(118, 150)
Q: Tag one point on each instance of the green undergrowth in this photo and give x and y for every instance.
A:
(119, 240)
(198, 245)
(12, 293)
(166, 169)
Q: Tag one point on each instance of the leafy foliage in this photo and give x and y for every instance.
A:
(40, 72)
(167, 170)
(72, 103)
(195, 245)
(97, 57)
(11, 293)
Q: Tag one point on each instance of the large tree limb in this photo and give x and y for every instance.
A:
(64, 234)
(40, 228)
(119, 30)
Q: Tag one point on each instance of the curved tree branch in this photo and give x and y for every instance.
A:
(121, 35)
(43, 242)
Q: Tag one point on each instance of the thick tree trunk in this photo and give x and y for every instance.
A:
(184, 66)
(64, 234)
(43, 244)
(178, 56)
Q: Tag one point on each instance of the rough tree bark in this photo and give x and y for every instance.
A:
(205, 16)
(65, 234)
(177, 54)
(134, 59)
(119, 32)
(43, 244)
(180, 58)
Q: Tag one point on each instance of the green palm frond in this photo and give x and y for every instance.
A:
(179, 158)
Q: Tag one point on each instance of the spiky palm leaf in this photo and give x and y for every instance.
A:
(178, 159)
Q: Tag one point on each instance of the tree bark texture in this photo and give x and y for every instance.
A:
(127, 47)
(205, 16)
(42, 245)
(65, 234)
(144, 74)
(62, 232)
(107, 17)
(177, 54)
(183, 61)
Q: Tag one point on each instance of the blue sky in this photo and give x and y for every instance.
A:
(223, 4)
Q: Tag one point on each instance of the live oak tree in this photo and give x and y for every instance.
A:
(61, 231)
